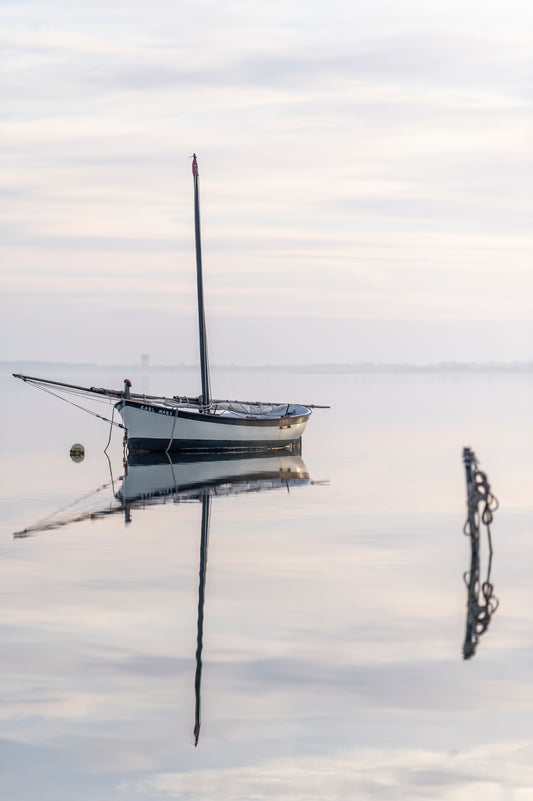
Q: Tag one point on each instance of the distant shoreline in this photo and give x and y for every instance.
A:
(336, 369)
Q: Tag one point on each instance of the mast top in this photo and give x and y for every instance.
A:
(194, 166)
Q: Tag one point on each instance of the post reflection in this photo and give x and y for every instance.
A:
(481, 601)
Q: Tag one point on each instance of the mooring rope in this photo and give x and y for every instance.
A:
(110, 432)
(172, 433)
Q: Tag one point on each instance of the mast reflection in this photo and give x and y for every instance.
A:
(481, 601)
(206, 511)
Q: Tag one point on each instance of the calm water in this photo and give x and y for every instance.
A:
(334, 610)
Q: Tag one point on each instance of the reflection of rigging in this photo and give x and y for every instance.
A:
(481, 602)
(87, 507)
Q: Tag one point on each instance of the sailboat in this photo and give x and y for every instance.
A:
(179, 424)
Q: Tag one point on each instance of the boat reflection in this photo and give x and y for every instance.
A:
(481, 601)
(156, 478)
(152, 479)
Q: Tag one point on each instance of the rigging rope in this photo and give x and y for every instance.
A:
(77, 405)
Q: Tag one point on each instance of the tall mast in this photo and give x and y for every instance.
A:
(204, 363)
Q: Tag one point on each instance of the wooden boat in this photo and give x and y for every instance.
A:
(180, 424)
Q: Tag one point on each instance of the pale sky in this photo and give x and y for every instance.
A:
(365, 173)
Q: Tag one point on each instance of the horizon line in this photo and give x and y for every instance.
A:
(325, 366)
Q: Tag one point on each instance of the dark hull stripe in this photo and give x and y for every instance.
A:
(255, 422)
(148, 458)
(152, 445)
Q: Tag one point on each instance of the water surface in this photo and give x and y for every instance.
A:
(334, 607)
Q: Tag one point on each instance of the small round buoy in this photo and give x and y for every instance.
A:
(77, 452)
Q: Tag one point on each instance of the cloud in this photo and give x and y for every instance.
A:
(380, 773)
(363, 155)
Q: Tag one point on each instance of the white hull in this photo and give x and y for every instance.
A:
(155, 427)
